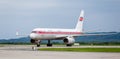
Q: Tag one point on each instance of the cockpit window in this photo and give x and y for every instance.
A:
(34, 31)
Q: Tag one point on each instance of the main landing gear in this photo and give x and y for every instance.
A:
(49, 44)
(68, 45)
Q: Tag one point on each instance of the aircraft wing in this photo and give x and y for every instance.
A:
(95, 34)
(85, 34)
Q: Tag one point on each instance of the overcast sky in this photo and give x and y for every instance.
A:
(25, 15)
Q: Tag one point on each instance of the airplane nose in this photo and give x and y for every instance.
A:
(32, 36)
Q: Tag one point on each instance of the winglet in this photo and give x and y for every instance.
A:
(17, 34)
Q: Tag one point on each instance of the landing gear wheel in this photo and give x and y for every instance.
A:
(49, 45)
(68, 45)
(38, 45)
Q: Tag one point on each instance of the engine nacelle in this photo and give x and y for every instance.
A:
(34, 41)
(69, 40)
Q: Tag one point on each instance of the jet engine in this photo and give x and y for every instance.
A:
(34, 41)
(69, 40)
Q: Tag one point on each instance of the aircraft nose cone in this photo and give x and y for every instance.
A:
(32, 36)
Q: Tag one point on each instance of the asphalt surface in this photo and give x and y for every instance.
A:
(26, 52)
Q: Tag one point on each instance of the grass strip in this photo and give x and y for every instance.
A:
(82, 49)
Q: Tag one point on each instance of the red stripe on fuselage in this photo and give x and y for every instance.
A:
(43, 32)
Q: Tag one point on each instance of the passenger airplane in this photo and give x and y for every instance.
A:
(67, 35)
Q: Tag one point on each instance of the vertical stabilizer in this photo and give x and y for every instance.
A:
(79, 26)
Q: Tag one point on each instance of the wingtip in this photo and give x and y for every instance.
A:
(17, 33)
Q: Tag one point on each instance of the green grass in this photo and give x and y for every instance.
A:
(82, 49)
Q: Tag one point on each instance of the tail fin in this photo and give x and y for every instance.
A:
(79, 26)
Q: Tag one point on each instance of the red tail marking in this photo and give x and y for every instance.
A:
(81, 19)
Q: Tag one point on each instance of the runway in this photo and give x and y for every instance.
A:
(29, 47)
(25, 52)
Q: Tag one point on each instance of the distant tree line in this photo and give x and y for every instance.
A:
(59, 43)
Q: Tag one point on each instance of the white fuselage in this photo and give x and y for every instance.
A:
(47, 33)
(51, 33)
